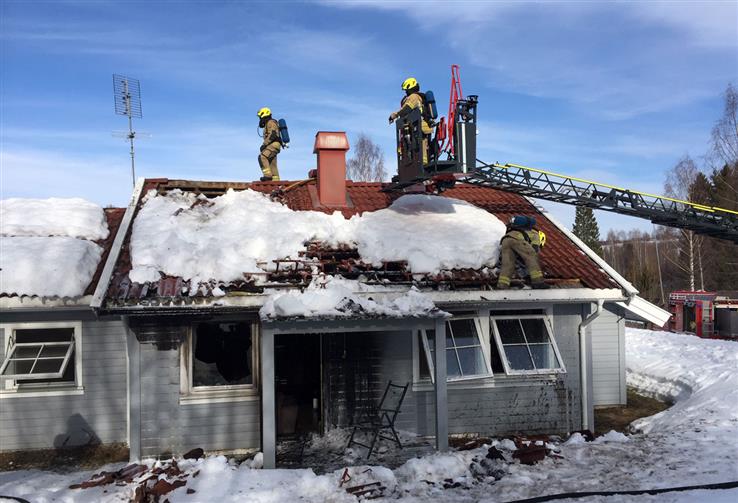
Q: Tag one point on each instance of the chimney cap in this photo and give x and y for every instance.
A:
(330, 140)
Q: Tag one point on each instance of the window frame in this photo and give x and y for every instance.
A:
(495, 333)
(11, 386)
(425, 351)
(189, 393)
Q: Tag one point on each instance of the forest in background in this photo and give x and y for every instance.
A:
(669, 259)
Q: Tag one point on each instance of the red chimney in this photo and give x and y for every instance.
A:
(331, 148)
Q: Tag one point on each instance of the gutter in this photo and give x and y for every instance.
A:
(583, 375)
(125, 224)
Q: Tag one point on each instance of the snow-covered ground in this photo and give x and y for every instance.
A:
(46, 245)
(200, 239)
(694, 442)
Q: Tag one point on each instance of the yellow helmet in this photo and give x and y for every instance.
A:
(542, 238)
(409, 83)
(263, 112)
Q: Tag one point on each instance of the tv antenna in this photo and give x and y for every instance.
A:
(127, 98)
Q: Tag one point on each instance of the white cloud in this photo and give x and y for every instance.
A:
(613, 60)
(710, 23)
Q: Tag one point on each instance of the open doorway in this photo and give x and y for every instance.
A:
(298, 384)
(690, 319)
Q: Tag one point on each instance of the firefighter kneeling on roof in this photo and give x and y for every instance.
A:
(270, 147)
(523, 241)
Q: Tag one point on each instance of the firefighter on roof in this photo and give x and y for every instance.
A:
(270, 147)
(414, 99)
(522, 241)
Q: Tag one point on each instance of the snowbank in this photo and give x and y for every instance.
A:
(699, 375)
(334, 296)
(72, 217)
(221, 239)
(47, 266)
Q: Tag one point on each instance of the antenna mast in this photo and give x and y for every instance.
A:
(127, 98)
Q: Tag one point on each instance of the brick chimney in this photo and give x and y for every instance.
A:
(331, 148)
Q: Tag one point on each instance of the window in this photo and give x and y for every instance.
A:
(220, 358)
(42, 355)
(465, 355)
(525, 344)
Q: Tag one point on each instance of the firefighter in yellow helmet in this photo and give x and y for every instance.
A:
(414, 99)
(525, 242)
(271, 145)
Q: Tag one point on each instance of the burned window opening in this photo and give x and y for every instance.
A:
(222, 354)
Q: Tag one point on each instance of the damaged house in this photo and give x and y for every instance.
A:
(228, 315)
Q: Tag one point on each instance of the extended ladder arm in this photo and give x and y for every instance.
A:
(717, 222)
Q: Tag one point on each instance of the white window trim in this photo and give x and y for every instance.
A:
(503, 356)
(482, 337)
(11, 388)
(192, 395)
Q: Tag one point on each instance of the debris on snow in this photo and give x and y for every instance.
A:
(334, 296)
(73, 217)
(47, 266)
(244, 232)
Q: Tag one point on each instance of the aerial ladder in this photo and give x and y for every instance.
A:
(455, 136)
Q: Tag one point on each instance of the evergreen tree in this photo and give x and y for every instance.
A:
(586, 229)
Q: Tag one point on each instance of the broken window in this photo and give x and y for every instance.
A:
(525, 344)
(465, 356)
(40, 355)
(222, 355)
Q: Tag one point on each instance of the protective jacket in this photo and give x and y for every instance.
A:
(530, 236)
(411, 102)
(271, 135)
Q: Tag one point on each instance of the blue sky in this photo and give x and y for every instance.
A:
(615, 91)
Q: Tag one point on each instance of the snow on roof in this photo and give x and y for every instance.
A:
(336, 297)
(72, 217)
(47, 266)
(47, 246)
(243, 232)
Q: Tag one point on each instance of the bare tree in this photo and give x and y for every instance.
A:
(367, 164)
(679, 182)
(724, 148)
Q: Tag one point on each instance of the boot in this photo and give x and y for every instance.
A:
(265, 179)
(540, 285)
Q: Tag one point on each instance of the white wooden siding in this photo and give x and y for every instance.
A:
(608, 358)
(46, 422)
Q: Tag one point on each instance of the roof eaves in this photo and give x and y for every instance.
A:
(38, 303)
(624, 283)
(106, 276)
(646, 310)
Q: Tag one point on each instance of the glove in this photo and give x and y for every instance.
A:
(392, 117)
(261, 149)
